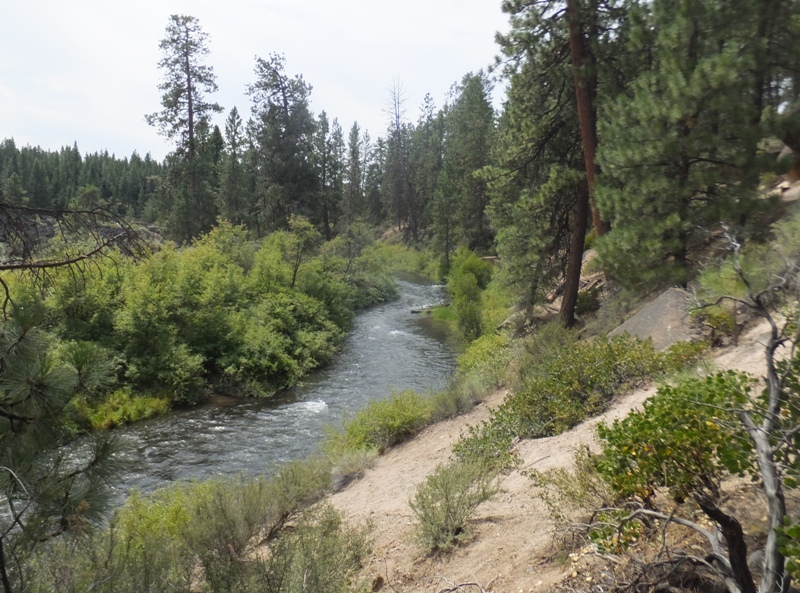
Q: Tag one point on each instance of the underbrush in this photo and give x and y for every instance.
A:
(120, 407)
(381, 424)
(444, 503)
(414, 260)
(572, 381)
(241, 536)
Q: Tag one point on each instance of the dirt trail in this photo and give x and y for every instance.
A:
(512, 548)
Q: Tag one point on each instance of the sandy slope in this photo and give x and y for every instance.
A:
(512, 544)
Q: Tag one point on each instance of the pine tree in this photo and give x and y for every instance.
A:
(354, 175)
(186, 81)
(678, 150)
(470, 133)
(44, 493)
(283, 130)
(232, 194)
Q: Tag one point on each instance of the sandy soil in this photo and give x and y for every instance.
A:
(512, 549)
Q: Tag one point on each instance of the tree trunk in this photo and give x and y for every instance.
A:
(737, 548)
(586, 117)
(572, 281)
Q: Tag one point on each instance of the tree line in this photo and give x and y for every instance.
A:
(642, 124)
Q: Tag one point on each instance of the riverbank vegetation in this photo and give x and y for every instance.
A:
(655, 121)
(224, 314)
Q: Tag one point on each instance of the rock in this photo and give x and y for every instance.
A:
(666, 320)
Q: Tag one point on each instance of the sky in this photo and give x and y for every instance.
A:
(86, 71)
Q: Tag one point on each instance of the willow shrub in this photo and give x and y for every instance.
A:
(221, 312)
(158, 542)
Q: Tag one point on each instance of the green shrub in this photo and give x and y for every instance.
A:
(156, 543)
(681, 354)
(467, 262)
(459, 398)
(351, 465)
(569, 493)
(539, 350)
(685, 438)
(466, 295)
(444, 503)
(320, 553)
(381, 424)
(121, 407)
(484, 364)
(577, 382)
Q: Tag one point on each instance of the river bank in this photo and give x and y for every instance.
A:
(512, 548)
(388, 349)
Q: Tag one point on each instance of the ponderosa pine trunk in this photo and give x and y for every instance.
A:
(586, 115)
(572, 281)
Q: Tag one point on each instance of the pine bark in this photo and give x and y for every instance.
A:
(586, 116)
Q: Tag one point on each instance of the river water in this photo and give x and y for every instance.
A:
(388, 349)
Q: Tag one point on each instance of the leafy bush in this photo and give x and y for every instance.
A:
(444, 503)
(467, 262)
(320, 553)
(156, 543)
(381, 424)
(466, 294)
(121, 407)
(577, 384)
(685, 438)
(570, 385)
(485, 362)
(588, 301)
(540, 348)
(569, 492)
(222, 310)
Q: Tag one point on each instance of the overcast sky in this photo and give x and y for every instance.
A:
(86, 71)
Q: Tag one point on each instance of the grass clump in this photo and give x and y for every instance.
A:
(381, 424)
(121, 407)
(446, 501)
(459, 398)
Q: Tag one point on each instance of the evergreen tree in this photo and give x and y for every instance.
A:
(425, 162)
(397, 185)
(283, 131)
(186, 81)
(44, 493)
(327, 152)
(354, 175)
(678, 149)
(374, 159)
(232, 194)
(537, 179)
(470, 131)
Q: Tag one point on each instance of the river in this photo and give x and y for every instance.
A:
(388, 349)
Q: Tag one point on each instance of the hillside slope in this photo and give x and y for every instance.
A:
(512, 549)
